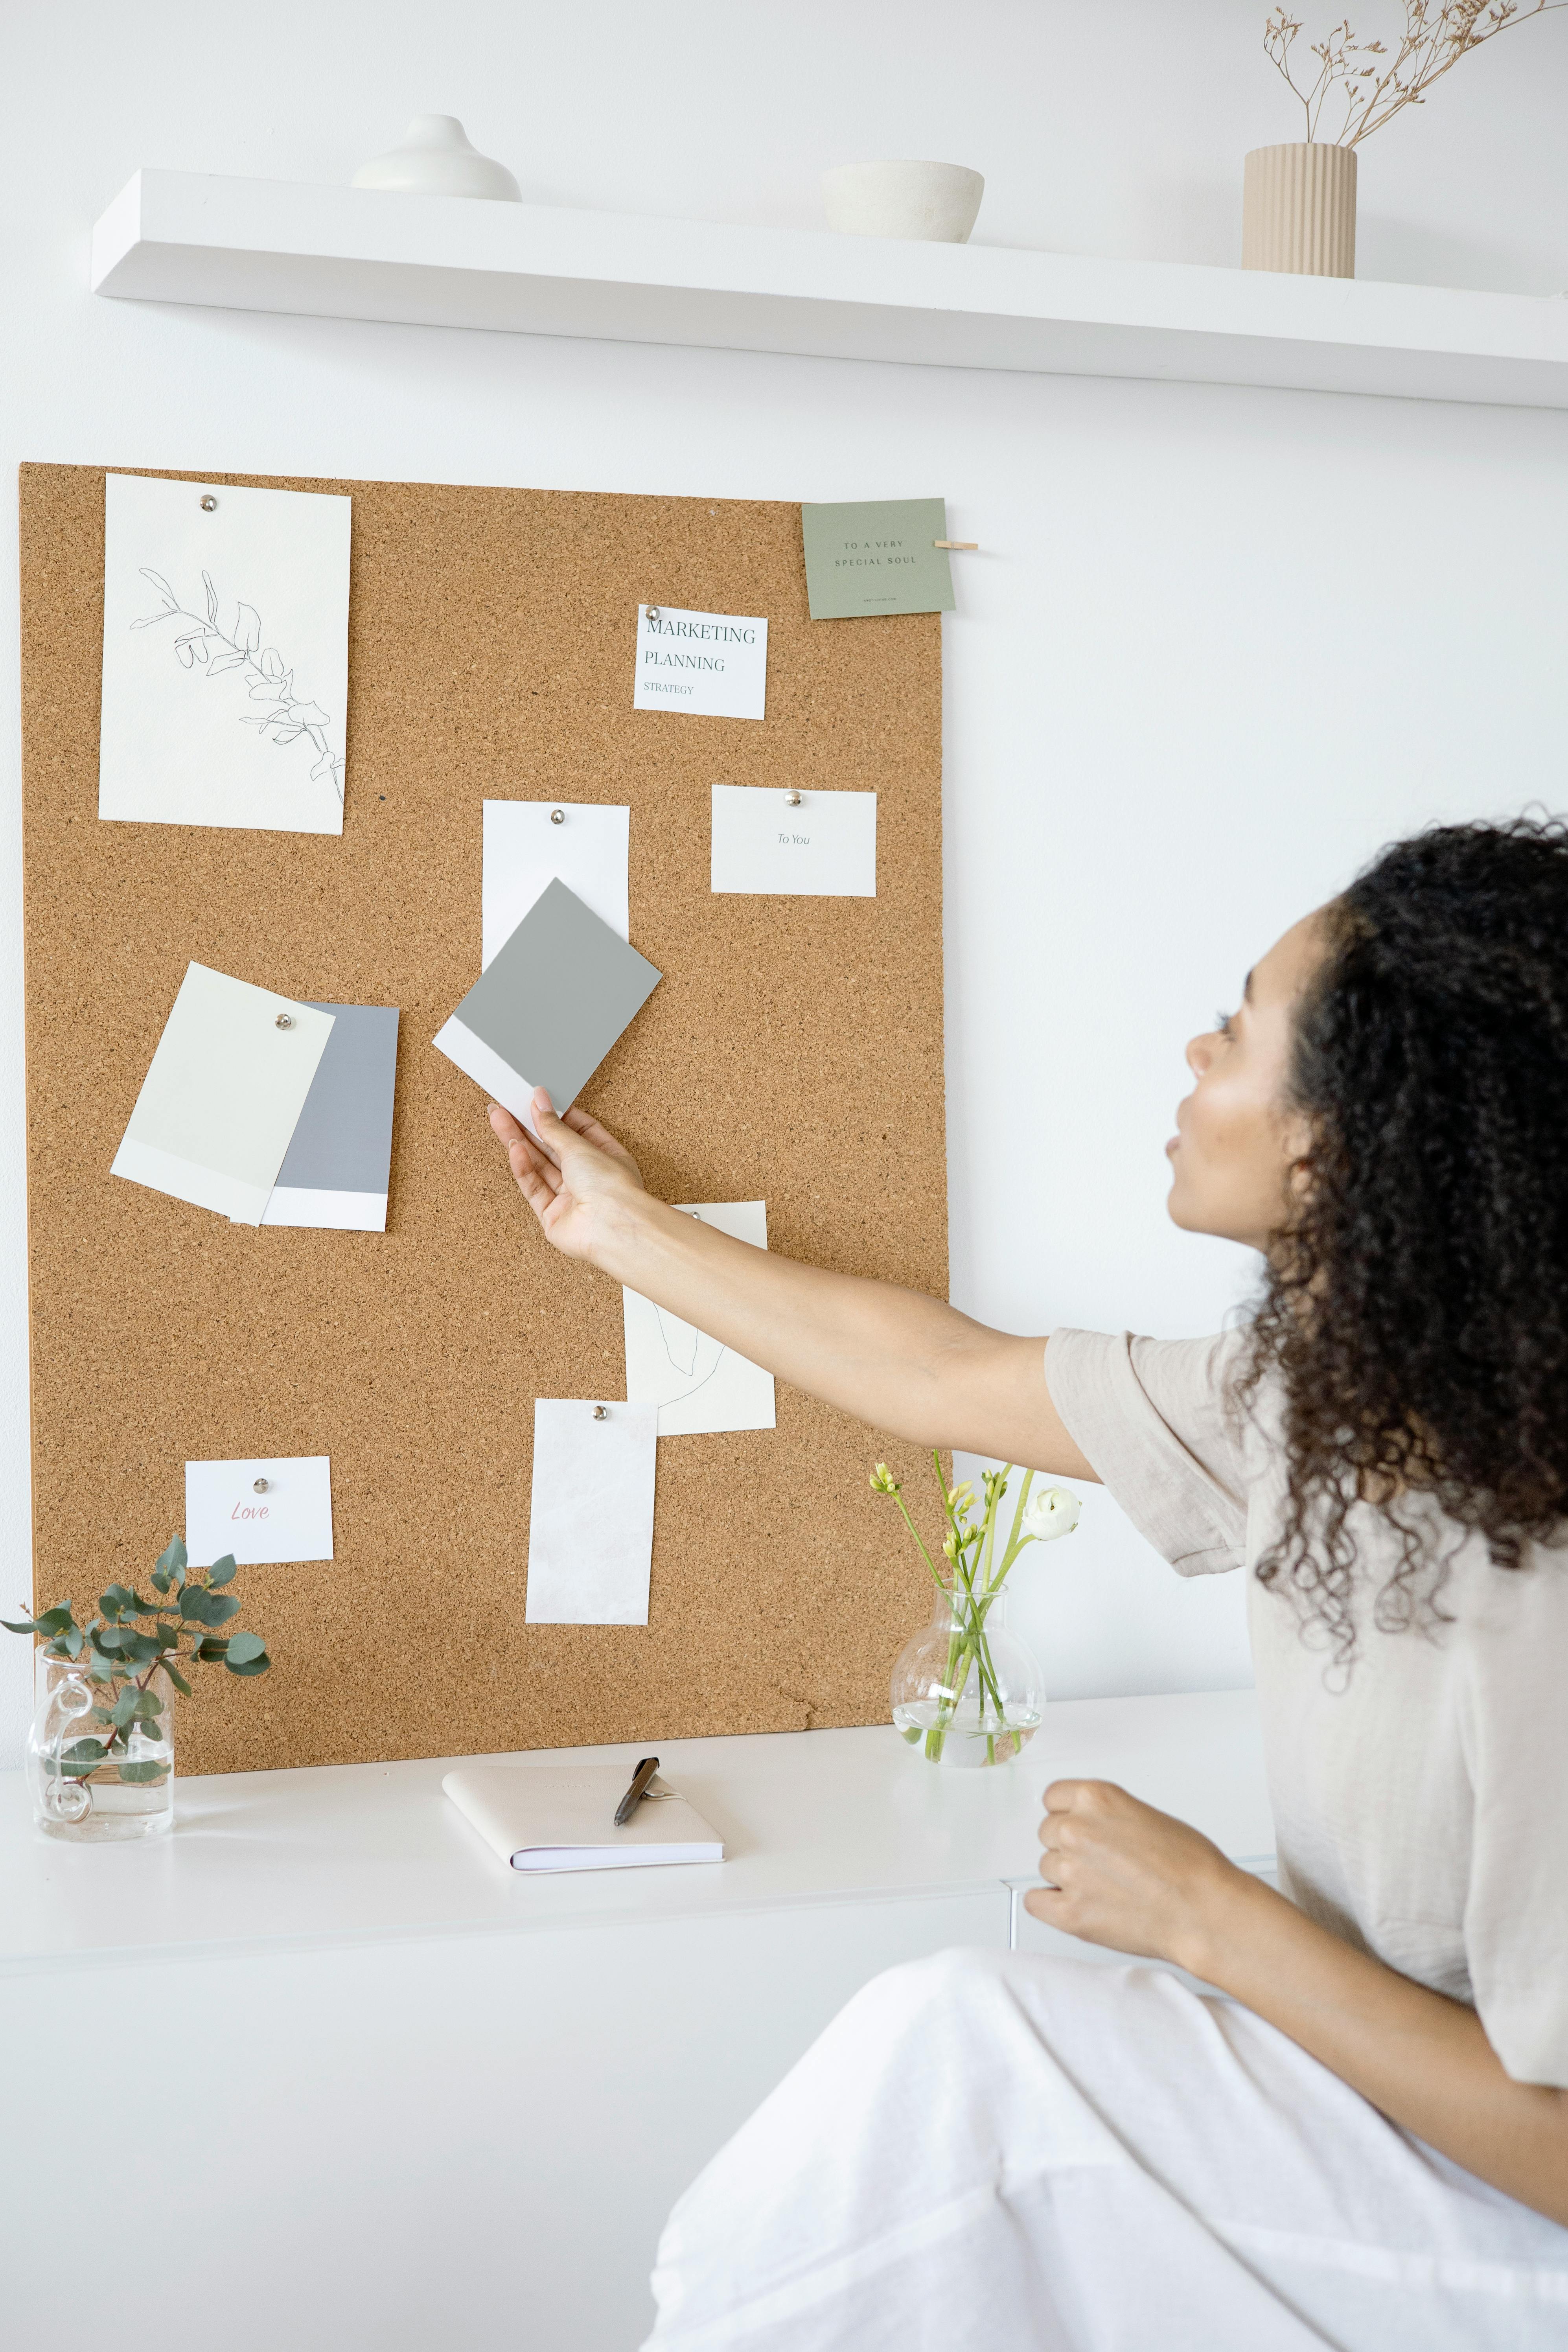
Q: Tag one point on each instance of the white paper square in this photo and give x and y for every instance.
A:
(290, 1519)
(715, 665)
(590, 1528)
(223, 1094)
(697, 1385)
(824, 848)
(225, 656)
(526, 850)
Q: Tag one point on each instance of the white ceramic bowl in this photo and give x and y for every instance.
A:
(433, 158)
(935, 202)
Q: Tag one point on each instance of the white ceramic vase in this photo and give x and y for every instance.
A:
(433, 158)
(936, 203)
(1298, 209)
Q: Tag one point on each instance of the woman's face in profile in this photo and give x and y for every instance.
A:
(1236, 1143)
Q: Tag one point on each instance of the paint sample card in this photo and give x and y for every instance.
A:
(548, 1009)
(877, 555)
(530, 843)
(695, 1384)
(336, 1170)
(225, 664)
(223, 1096)
(712, 664)
(266, 1512)
(825, 847)
(590, 1528)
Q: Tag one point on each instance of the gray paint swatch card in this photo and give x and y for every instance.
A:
(336, 1170)
(876, 555)
(548, 1007)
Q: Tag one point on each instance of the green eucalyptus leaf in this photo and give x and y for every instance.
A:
(181, 1684)
(210, 1649)
(56, 1620)
(243, 1648)
(150, 1771)
(141, 1649)
(26, 1626)
(84, 1751)
(253, 1666)
(222, 1570)
(70, 1641)
(110, 1640)
(172, 1558)
(124, 1707)
(149, 1705)
(77, 1771)
(116, 1600)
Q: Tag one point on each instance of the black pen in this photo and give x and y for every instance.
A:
(637, 1791)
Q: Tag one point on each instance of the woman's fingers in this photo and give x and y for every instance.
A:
(583, 1124)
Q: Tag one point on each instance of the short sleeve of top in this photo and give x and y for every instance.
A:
(1154, 1419)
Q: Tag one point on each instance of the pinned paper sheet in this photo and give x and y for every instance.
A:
(226, 668)
(265, 1512)
(794, 844)
(876, 555)
(696, 1384)
(223, 1094)
(590, 1528)
(530, 843)
(712, 664)
(336, 1170)
(551, 1005)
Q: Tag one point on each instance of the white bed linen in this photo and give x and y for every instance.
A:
(988, 2152)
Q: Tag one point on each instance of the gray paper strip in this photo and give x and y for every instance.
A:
(342, 1142)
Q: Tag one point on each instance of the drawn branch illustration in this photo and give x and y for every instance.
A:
(262, 671)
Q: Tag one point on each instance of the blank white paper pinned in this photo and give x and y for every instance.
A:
(530, 843)
(590, 1528)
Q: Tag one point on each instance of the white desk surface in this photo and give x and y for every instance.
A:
(270, 1861)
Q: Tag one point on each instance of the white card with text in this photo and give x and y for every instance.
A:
(808, 845)
(590, 1522)
(530, 843)
(265, 1512)
(715, 665)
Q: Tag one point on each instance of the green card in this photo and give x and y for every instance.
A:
(876, 555)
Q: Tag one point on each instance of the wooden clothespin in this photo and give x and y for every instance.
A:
(968, 546)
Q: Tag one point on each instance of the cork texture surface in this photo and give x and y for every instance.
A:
(792, 1053)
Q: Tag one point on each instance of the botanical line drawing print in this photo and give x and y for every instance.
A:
(681, 1342)
(262, 670)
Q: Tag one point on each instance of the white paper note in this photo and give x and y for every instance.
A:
(264, 1512)
(712, 663)
(590, 1528)
(225, 656)
(223, 1094)
(530, 843)
(824, 848)
(697, 1385)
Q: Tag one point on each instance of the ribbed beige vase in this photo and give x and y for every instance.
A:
(1298, 210)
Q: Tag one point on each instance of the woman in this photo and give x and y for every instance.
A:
(1365, 2142)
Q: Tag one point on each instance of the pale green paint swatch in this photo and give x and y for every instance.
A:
(876, 555)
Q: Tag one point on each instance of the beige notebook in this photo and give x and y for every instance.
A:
(563, 1816)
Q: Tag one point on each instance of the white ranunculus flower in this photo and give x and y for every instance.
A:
(1050, 1512)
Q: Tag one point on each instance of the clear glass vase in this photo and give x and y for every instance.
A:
(80, 1790)
(966, 1691)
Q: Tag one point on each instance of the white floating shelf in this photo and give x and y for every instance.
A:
(351, 253)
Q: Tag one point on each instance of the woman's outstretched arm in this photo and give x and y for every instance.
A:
(903, 1362)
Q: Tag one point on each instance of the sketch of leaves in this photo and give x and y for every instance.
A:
(268, 679)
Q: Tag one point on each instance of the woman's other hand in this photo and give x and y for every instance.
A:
(1119, 1873)
(574, 1175)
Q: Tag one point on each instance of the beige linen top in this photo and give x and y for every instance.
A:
(1421, 1807)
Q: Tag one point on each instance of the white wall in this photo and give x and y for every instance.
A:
(1219, 644)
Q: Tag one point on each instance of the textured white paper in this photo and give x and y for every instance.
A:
(223, 1094)
(526, 850)
(696, 1384)
(291, 1519)
(824, 848)
(712, 663)
(590, 1528)
(225, 656)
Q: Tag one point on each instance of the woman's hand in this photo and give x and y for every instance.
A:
(574, 1176)
(1119, 1873)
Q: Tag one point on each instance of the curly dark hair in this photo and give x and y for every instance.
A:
(1416, 1308)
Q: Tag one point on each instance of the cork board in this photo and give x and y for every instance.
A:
(792, 1053)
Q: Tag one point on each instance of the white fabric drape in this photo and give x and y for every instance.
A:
(987, 2152)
